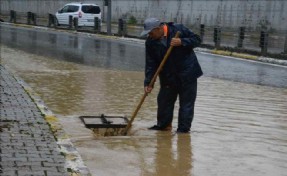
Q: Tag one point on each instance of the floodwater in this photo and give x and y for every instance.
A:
(238, 129)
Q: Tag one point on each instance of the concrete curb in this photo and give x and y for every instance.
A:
(74, 163)
(244, 56)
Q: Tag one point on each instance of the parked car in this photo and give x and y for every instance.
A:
(85, 13)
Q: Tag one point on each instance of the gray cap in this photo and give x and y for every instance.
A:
(150, 24)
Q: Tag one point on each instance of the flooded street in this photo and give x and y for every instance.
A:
(238, 129)
(108, 52)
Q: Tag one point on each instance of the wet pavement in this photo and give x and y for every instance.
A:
(27, 144)
(239, 128)
(122, 54)
(229, 37)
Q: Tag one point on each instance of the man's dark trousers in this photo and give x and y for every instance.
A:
(166, 100)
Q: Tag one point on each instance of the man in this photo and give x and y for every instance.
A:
(179, 74)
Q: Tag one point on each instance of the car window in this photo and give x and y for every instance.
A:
(65, 9)
(91, 9)
(73, 8)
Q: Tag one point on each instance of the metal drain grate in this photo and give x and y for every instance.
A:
(104, 121)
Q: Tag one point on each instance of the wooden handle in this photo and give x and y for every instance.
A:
(150, 85)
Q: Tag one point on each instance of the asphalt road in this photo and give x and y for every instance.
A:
(118, 54)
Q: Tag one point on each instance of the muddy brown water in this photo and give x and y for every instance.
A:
(239, 129)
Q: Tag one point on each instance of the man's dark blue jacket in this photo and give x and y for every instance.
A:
(182, 65)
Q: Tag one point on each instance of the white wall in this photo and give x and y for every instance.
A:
(226, 13)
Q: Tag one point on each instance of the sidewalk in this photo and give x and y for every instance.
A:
(28, 143)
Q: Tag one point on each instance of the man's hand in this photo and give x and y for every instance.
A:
(147, 89)
(175, 42)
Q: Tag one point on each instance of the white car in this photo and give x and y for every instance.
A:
(85, 13)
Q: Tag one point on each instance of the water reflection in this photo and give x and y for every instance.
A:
(52, 39)
(32, 36)
(72, 42)
(109, 54)
(13, 35)
(261, 76)
(122, 49)
(76, 48)
(173, 156)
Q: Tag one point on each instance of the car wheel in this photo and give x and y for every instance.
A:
(56, 22)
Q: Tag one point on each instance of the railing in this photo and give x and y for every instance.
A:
(260, 42)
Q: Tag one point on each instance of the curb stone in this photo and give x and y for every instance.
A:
(243, 56)
(74, 163)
